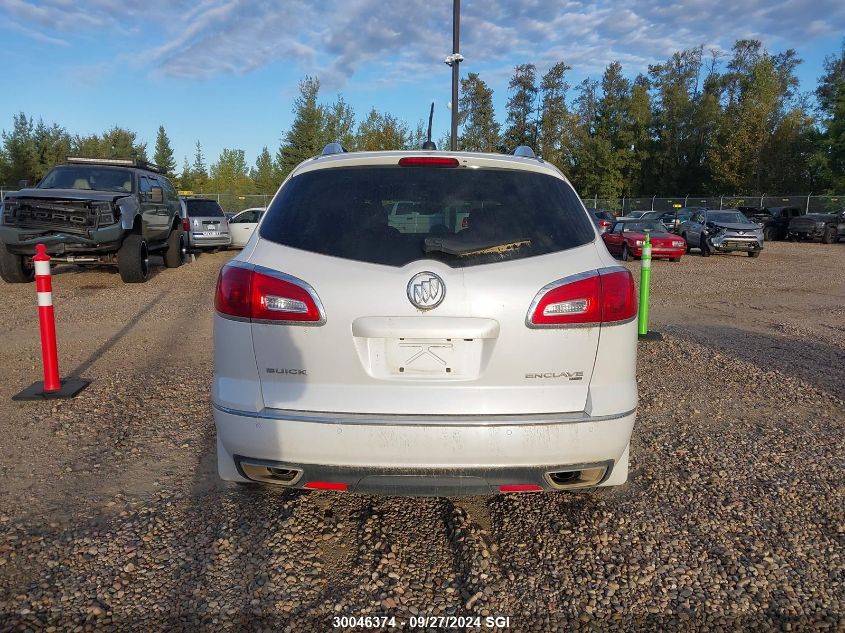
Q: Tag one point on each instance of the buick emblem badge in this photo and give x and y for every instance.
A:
(426, 290)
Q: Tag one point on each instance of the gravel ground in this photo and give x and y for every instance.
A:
(112, 518)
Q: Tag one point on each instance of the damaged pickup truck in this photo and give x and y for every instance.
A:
(93, 211)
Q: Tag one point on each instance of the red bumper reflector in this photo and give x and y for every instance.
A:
(428, 161)
(326, 485)
(520, 488)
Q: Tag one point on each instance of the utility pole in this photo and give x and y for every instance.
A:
(453, 60)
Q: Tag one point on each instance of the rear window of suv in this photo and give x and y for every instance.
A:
(396, 215)
(203, 209)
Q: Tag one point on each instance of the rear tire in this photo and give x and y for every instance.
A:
(174, 254)
(704, 247)
(626, 254)
(14, 269)
(829, 236)
(770, 234)
(754, 253)
(133, 260)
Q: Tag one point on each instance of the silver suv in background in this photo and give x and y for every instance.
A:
(205, 224)
(355, 352)
(722, 231)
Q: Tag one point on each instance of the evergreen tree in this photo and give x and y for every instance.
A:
(830, 157)
(480, 131)
(87, 146)
(586, 153)
(230, 173)
(522, 121)
(418, 135)
(265, 174)
(19, 151)
(307, 132)
(186, 177)
(122, 143)
(339, 124)
(381, 132)
(163, 156)
(52, 145)
(613, 132)
(639, 175)
(555, 137)
(199, 175)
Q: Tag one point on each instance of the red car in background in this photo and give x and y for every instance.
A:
(626, 240)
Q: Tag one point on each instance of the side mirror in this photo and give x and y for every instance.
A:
(23, 184)
(156, 195)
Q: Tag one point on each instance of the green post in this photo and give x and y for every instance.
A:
(645, 280)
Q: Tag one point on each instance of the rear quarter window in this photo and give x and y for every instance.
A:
(396, 215)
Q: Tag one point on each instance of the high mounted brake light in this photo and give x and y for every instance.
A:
(599, 297)
(265, 296)
(428, 161)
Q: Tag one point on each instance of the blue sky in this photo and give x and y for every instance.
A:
(225, 72)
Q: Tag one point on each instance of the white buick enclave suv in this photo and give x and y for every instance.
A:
(491, 349)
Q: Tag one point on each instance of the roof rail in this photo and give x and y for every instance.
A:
(333, 148)
(524, 151)
(117, 162)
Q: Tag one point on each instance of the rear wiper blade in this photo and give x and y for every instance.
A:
(463, 248)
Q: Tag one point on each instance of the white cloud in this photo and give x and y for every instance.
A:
(339, 39)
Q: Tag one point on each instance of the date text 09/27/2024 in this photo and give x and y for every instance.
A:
(422, 621)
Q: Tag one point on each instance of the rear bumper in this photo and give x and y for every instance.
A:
(425, 455)
(199, 241)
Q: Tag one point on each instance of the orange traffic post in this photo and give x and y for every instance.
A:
(52, 386)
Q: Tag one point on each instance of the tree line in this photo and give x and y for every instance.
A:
(699, 122)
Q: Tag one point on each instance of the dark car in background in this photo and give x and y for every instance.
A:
(603, 219)
(774, 220)
(828, 226)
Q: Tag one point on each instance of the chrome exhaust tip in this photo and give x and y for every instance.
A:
(256, 471)
(576, 478)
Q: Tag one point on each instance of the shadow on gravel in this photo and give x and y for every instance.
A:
(816, 363)
(115, 338)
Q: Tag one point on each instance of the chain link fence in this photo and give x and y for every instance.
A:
(233, 202)
(808, 204)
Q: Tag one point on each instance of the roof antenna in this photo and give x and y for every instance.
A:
(428, 143)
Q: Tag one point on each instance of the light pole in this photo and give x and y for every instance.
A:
(453, 60)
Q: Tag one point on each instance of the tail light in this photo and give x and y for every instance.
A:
(186, 225)
(603, 296)
(266, 296)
